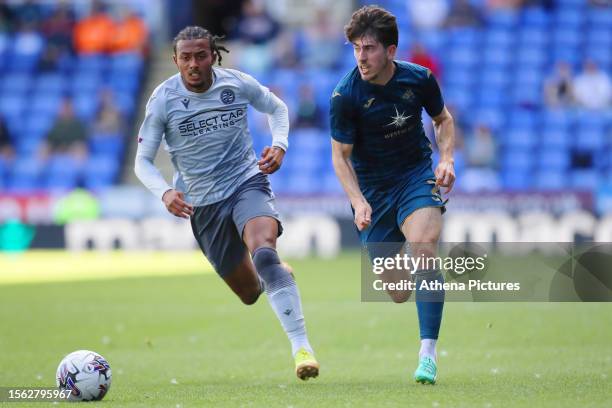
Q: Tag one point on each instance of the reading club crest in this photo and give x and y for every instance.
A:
(227, 96)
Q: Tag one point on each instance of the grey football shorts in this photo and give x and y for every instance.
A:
(218, 227)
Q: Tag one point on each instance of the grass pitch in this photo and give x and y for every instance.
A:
(187, 341)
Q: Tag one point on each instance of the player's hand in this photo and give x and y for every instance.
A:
(445, 175)
(176, 205)
(271, 159)
(363, 215)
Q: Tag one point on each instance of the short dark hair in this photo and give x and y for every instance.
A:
(374, 21)
(199, 33)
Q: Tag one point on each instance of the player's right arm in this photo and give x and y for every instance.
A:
(343, 136)
(341, 157)
(149, 139)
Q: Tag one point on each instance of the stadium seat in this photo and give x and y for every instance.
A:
(61, 173)
(517, 138)
(554, 159)
(517, 180)
(551, 180)
(106, 145)
(535, 17)
(26, 174)
(585, 179)
(100, 172)
(50, 83)
(16, 83)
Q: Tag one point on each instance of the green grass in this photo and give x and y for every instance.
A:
(221, 353)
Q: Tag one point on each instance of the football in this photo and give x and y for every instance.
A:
(86, 374)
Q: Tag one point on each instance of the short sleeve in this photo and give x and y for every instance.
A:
(341, 118)
(432, 98)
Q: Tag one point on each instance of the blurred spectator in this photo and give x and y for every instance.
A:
(592, 87)
(28, 42)
(255, 25)
(255, 29)
(6, 144)
(428, 14)
(57, 29)
(481, 157)
(94, 33)
(68, 135)
(7, 17)
(481, 149)
(109, 121)
(130, 33)
(463, 14)
(558, 88)
(308, 113)
(28, 13)
(322, 42)
(286, 50)
(420, 56)
(504, 4)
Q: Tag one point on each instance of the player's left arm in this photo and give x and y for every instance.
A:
(278, 119)
(445, 138)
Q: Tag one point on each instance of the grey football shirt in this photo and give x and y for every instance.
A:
(206, 135)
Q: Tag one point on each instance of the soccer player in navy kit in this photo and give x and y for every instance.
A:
(382, 158)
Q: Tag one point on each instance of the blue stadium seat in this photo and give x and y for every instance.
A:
(86, 105)
(26, 147)
(464, 38)
(533, 37)
(496, 57)
(567, 37)
(517, 180)
(522, 119)
(517, 138)
(130, 61)
(585, 179)
(535, 17)
(85, 83)
(123, 83)
(553, 158)
(106, 145)
(302, 183)
(46, 103)
(11, 105)
(555, 137)
(499, 38)
(569, 16)
(100, 172)
(600, 17)
(502, 18)
(92, 64)
(551, 180)
(51, 83)
(61, 173)
(16, 83)
(532, 57)
(494, 77)
(126, 103)
(462, 56)
(26, 174)
(517, 160)
(590, 139)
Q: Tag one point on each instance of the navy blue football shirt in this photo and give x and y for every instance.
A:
(383, 122)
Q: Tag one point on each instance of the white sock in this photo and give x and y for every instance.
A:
(286, 303)
(428, 349)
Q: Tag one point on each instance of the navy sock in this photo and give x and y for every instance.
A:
(429, 303)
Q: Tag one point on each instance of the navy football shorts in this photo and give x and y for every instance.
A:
(392, 205)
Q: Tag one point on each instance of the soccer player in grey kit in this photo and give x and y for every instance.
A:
(219, 183)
